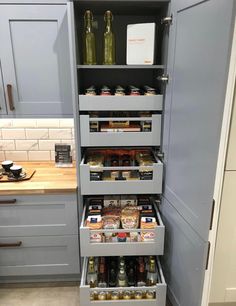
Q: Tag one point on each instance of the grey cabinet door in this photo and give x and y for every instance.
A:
(184, 260)
(3, 109)
(200, 43)
(34, 53)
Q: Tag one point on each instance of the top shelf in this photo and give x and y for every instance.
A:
(121, 67)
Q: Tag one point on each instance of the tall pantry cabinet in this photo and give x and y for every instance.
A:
(190, 73)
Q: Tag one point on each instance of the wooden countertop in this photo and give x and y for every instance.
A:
(47, 180)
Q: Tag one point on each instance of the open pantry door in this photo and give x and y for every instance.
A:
(198, 58)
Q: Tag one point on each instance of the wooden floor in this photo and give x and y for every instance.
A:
(50, 294)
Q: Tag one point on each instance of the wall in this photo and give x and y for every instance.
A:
(33, 139)
(223, 288)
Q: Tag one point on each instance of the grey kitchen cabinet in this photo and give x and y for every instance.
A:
(194, 48)
(39, 236)
(35, 76)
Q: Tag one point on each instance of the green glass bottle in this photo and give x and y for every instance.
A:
(109, 40)
(89, 45)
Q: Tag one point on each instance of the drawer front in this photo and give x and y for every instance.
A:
(160, 290)
(95, 139)
(120, 103)
(155, 247)
(39, 255)
(38, 215)
(153, 186)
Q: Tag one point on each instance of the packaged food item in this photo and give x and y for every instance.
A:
(96, 237)
(150, 294)
(148, 223)
(128, 200)
(105, 91)
(115, 295)
(94, 222)
(119, 91)
(111, 222)
(90, 91)
(121, 237)
(102, 295)
(129, 218)
(94, 125)
(111, 211)
(111, 200)
(145, 160)
(94, 209)
(149, 91)
(134, 91)
(134, 237)
(146, 125)
(127, 295)
(95, 161)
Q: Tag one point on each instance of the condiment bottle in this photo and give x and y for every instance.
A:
(89, 44)
(109, 40)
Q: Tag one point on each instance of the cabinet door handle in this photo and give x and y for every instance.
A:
(10, 244)
(10, 97)
(13, 201)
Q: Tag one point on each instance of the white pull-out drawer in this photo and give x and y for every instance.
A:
(120, 103)
(154, 247)
(120, 138)
(159, 288)
(130, 186)
(38, 215)
(45, 255)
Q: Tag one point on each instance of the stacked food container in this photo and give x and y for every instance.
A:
(121, 171)
(121, 174)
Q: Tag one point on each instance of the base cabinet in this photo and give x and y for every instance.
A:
(40, 255)
(39, 235)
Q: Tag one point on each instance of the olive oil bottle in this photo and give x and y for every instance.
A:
(89, 43)
(108, 40)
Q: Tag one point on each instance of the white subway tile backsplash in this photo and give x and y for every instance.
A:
(36, 133)
(13, 133)
(28, 145)
(48, 123)
(7, 145)
(60, 134)
(34, 139)
(67, 123)
(39, 155)
(5, 123)
(52, 154)
(2, 156)
(48, 144)
(24, 123)
(16, 155)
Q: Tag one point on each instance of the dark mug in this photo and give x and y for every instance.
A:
(7, 164)
(16, 170)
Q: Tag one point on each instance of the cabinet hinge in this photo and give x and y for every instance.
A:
(160, 155)
(163, 78)
(212, 214)
(208, 255)
(167, 20)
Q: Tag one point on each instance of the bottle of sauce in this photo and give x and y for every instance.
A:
(152, 273)
(109, 40)
(89, 44)
(91, 275)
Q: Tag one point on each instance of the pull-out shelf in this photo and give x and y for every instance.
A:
(159, 288)
(95, 139)
(132, 186)
(154, 247)
(120, 103)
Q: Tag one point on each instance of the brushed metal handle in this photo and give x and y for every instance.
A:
(13, 201)
(10, 97)
(10, 244)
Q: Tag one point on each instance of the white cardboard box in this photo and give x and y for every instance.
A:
(140, 44)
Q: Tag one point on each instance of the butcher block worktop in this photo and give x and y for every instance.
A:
(47, 180)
